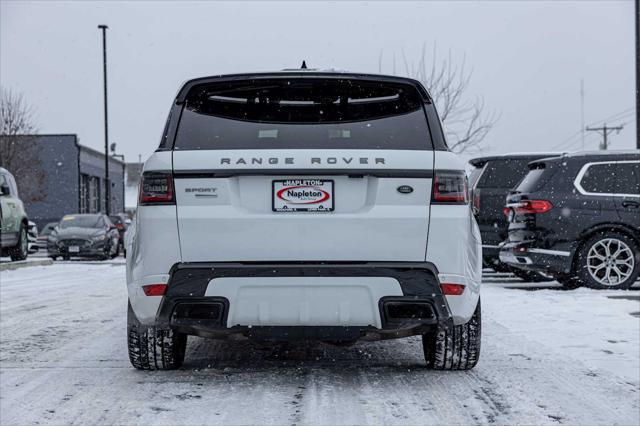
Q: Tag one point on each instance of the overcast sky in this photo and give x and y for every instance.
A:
(528, 59)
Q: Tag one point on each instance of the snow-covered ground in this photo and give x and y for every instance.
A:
(548, 357)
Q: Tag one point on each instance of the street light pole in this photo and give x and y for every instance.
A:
(637, 20)
(107, 192)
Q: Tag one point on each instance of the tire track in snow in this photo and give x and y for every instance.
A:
(83, 375)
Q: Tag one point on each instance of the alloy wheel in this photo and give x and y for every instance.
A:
(610, 261)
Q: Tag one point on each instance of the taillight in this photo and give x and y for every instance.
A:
(532, 206)
(156, 188)
(450, 188)
(506, 211)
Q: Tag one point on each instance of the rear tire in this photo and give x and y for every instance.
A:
(154, 348)
(609, 261)
(457, 348)
(21, 249)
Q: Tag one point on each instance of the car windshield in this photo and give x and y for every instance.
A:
(92, 221)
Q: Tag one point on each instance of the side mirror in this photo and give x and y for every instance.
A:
(4, 189)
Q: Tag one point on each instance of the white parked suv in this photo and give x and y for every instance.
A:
(303, 205)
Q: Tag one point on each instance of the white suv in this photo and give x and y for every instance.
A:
(303, 205)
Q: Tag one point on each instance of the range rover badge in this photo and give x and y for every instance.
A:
(405, 189)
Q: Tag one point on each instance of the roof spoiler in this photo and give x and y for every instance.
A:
(186, 87)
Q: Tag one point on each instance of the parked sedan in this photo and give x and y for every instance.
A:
(86, 235)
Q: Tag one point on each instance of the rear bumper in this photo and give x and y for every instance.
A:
(193, 305)
(528, 257)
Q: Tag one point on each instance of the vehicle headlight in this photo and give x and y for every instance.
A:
(99, 237)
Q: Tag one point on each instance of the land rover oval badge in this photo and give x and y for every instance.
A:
(405, 189)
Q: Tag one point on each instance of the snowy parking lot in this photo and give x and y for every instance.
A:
(548, 357)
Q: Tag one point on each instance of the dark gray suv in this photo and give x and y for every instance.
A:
(577, 217)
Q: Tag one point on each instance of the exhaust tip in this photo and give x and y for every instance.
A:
(408, 310)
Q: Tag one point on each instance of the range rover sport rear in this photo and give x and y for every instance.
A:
(304, 205)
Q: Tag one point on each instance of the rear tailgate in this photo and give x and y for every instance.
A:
(227, 207)
(303, 169)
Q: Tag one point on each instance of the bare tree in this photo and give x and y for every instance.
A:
(466, 122)
(18, 147)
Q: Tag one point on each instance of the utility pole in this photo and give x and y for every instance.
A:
(107, 192)
(637, 12)
(605, 132)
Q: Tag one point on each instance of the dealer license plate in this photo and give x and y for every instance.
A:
(303, 195)
(74, 249)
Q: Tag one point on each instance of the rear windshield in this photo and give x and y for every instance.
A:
(530, 181)
(303, 113)
(536, 178)
(504, 174)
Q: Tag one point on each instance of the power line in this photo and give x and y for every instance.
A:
(605, 132)
(573, 138)
(614, 116)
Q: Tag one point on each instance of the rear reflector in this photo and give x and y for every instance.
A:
(452, 289)
(450, 188)
(155, 289)
(533, 206)
(156, 188)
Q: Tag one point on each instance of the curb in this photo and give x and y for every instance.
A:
(10, 266)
